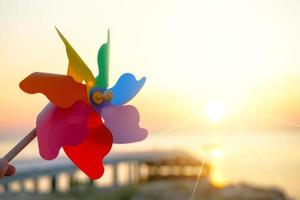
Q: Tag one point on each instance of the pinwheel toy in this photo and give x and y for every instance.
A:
(84, 116)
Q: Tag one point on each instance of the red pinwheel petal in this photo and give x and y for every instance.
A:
(89, 155)
(61, 90)
(57, 127)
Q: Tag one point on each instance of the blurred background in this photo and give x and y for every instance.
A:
(223, 77)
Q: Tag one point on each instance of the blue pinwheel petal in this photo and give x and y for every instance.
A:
(126, 88)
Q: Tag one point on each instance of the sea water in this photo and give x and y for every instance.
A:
(261, 159)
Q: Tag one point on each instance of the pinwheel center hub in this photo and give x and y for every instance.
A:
(98, 97)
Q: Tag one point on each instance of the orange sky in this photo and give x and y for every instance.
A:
(243, 53)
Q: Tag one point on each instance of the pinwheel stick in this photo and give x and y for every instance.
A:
(20, 146)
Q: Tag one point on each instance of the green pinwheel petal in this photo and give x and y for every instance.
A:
(103, 65)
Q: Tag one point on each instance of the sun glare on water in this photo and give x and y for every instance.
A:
(217, 177)
(214, 111)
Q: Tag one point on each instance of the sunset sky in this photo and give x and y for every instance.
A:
(222, 74)
(244, 55)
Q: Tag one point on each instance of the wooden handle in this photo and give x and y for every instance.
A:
(20, 146)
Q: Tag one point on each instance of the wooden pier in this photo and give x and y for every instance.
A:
(121, 169)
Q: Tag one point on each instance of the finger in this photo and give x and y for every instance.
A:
(10, 171)
(3, 167)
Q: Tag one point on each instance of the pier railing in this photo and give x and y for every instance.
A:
(124, 168)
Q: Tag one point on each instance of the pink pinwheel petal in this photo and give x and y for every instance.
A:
(58, 127)
(123, 122)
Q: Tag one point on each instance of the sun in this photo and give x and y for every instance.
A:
(216, 153)
(214, 111)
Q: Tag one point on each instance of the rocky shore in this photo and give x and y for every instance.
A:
(179, 190)
(161, 190)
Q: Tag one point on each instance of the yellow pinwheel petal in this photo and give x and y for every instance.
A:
(77, 68)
